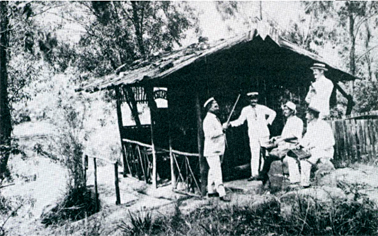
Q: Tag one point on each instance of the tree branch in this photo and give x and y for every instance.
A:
(370, 49)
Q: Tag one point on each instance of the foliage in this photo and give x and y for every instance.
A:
(119, 33)
(366, 95)
(76, 204)
(69, 119)
(308, 217)
(10, 208)
(141, 224)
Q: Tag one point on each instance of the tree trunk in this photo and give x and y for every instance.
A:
(352, 54)
(5, 118)
(367, 56)
(138, 24)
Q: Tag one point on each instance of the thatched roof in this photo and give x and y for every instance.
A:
(165, 64)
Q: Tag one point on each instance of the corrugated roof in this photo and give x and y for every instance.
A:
(168, 63)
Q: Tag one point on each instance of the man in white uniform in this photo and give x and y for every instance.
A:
(318, 141)
(290, 136)
(214, 148)
(258, 118)
(320, 91)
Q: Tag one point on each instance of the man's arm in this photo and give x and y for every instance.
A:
(239, 121)
(271, 115)
(311, 92)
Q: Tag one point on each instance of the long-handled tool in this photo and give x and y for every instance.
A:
(228, 120)
(233, 109)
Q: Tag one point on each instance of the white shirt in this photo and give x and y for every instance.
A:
(320, 97)
(319, 139)
(292, 128)
(214, 136)
(256, 120)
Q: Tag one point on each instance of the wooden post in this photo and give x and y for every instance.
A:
(152, 105)
(348, 97)
(95, 183)
(116, 182)
(85, 168)
(202, 160)
(173, 176)
(120, 128)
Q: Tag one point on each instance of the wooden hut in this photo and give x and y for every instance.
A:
(170, 147)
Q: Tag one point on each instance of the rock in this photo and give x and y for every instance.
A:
(325, 174)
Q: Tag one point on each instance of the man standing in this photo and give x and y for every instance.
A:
(320, 91)
(214, 148)
(291, 134)
(318, 141)
(258, 118)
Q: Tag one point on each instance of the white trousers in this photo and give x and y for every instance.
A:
(255, 146)
(294, 174)
(214, 177)
(302, 176)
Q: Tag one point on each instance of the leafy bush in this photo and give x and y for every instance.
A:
(308, 217)
(74, 205)
(9, 208)
(141, 224)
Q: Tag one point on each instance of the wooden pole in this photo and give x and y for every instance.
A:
(120, 128)
(95, 183)
(116, 182)
(173, 176)
(202, 161)
(350, 103)
(152, 105)
(85, 168)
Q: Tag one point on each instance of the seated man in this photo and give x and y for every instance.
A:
(291, 133)
(318, 141)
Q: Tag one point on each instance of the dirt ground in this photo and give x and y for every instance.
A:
(40, 182)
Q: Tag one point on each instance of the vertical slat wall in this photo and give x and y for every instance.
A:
(356, 140)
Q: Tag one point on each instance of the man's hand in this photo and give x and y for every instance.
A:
(225, 126)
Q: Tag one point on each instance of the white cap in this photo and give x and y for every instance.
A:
(319, 66)
(252, 93)
(208, 101)
(291, 106)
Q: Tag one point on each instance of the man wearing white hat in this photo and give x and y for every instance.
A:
(290, 136)
(214, 148)
(258, 118)
(320, 91)
(318, 141)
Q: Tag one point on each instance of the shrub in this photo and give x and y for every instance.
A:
(142, 223)
(74, 205)
(308, 217)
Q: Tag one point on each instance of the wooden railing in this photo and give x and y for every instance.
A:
(185, 173)
(116, 180)
(356, 140)
(184, 167)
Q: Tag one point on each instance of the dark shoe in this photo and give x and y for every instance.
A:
(261, 177)
(213, 195)
(225, 199)
(306, 186)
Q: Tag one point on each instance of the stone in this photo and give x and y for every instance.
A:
(325, 174)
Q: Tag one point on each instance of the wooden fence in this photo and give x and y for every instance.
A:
(181, 168)
(116, 179)
(356, 140)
